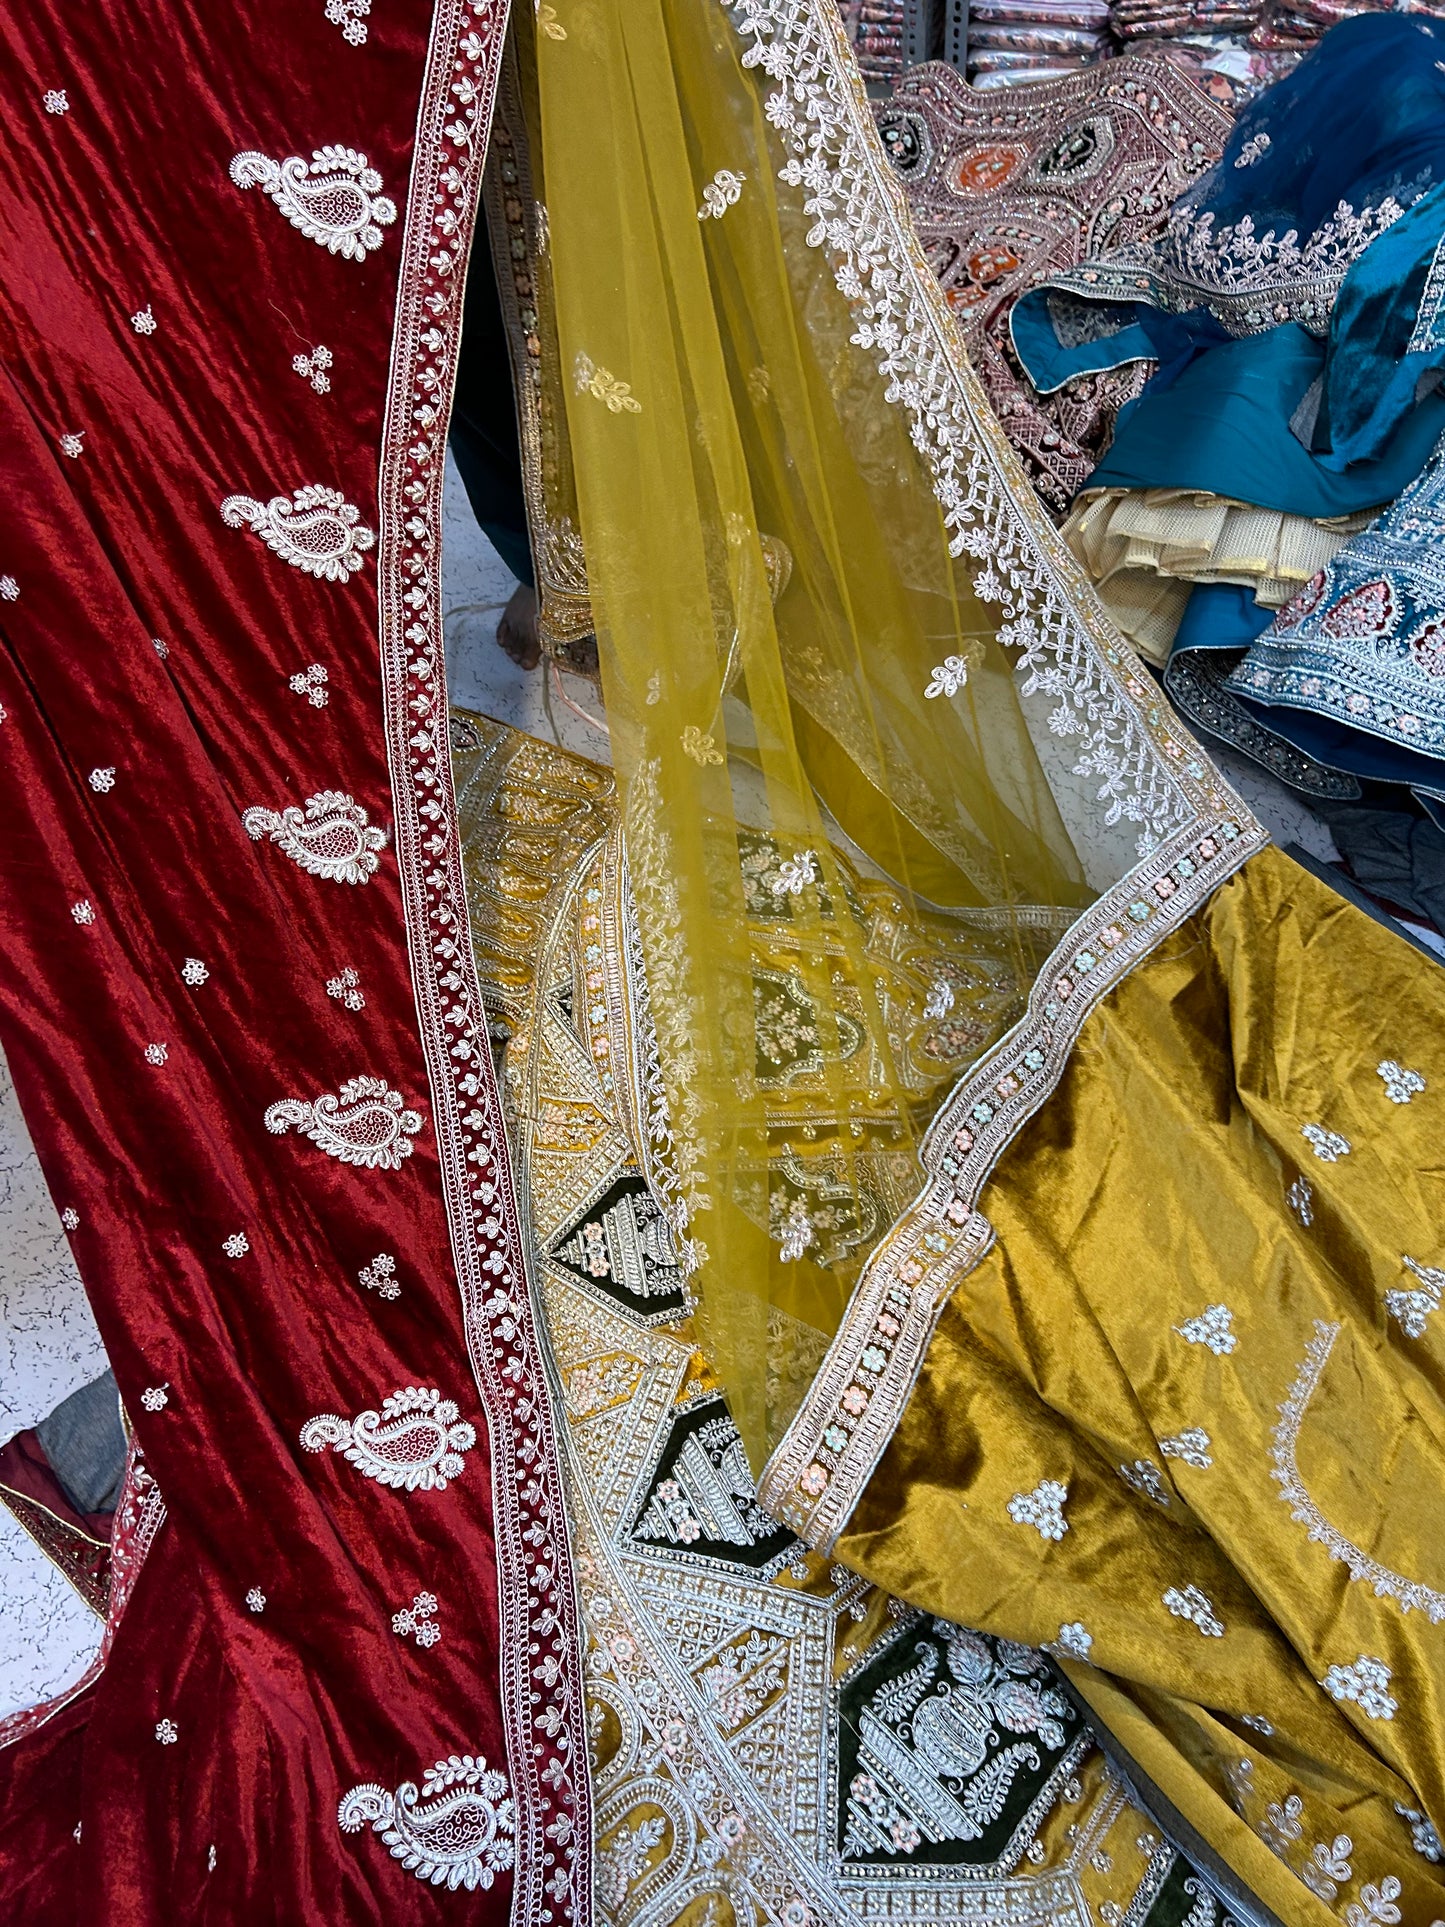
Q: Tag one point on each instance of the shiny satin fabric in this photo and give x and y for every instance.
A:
(1184, 1422)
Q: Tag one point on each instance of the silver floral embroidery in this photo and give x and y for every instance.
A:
(55, 101)
(366, 1123)
(157, 1053)
(194, 972)
(1213, 1328)
(1259, 1723)
(345, 987)
(167, 1732)
(350, 16)
(601, 383)
(1195, 1606)
(73, 445)
(237, 1245)
(333, 839)
(1283, 1824)
(1074, 1641)
(949, 676)
(796, 873)
(155, 1398)
(416, 1620)
(1191, 1445)
(335, 200)
(1252, 149)
(1376, 1905)
(415, 1443)
(143, 321)
(318, 530)
(1400, 1085)
(1423, 1837)
(83, 911)
(9, 589)
(1328, 1146)
(455, 1832)
(1386, 1584)
(794, 1232)
(380, 1276)
(1145, 1478)
(70, 1218)
(1043, 1508)
(1328, 1866)
(940, 999)
(1301, 1201)
(255, 1600)
(1365, 1684)
(311, 683)
(162, 649)
(102, 780)
(313, 367)
(723, 191)
(1413, 1308)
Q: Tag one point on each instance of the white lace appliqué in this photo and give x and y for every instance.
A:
(796, 873)
(415, 1443)
(949, 676)
(1400, 1085)
(335, 200)
(366, 1123)
(318, 530)
(1191, 1445)
(333, 839)
(1365, 1684)
(1195, 1606)
(416, 1620)
(1413, 1308)
(1213, 1327)
(1043, 1508)
(455, 1832)
(723, 191)
(1328, 1146)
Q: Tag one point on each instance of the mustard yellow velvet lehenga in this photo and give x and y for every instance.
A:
(1052, 1164)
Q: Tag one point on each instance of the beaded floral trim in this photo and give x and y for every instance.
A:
(818, 1472)
(539, 1663)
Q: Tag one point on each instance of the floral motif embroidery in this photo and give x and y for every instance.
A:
(793, 1231)
(1328, 1866)
(345, 988)
(1193, 1605)
(1252, 149)
(1301, 1201)
(336, 201)
(311, 683)
(83, 911)
(1074, 1641)
(1282, 1824)
(1410, 1593)
(796, 873)
(350, 16)
(157, 1053)
(9, 589)
(1376, 1905)
(940, 999)
(592, 380)
(313, 367)
(55, 101)
(143, 321)
(700, 746)
(70, 1218)
(1145, 1478)
(416, 1442)
(1365, 1684)
(723, 191)
(1213, 1327)
(154, 1398)
(256, 1600)
(1400, 1085)
(1328, 1146)
(167, 1732)
(73, 445)
(333, 839)
(949, 676)
(1259, 1723)
(366, 1123)
(1423, 1837)
(1191, 1445)
(548, 23)
(380, 1276)
(455, 1832)
(102, 780)
(162, 649)
(417, 1620)
(1043, 1508)
(1413, 1308)
(237, 1245)
(194, 972)
(318, 530)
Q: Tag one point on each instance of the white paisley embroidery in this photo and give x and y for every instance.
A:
(366, 1123)
(723, 191)
(336, 200)
(455, 1832)
(332, 839)
(318, 530)
(415, 1443)
(1408, 1593)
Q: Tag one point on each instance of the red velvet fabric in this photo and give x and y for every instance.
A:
(120, 203)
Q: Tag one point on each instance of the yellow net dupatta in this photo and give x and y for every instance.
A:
(877, 745)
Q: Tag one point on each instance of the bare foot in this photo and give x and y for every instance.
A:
(517, 630)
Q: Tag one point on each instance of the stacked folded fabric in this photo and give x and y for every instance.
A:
(876, 29)
(1297, 25)
(1010, 41)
